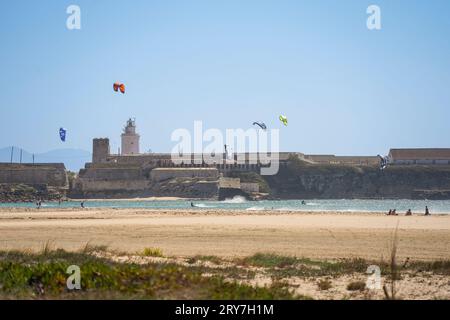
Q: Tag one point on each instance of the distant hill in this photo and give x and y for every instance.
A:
(73, 159)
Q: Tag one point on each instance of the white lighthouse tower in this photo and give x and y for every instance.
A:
(130, 139)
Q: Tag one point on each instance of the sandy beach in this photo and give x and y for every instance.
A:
(325, 235)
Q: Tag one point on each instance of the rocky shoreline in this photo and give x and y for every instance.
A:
(29, 193)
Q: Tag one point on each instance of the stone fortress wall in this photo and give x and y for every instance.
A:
(160, 174)
(150, 174)
(129, 175)
(51, 174)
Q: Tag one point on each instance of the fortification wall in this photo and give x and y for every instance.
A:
(185, 188)
(124, 181)
(250, 187)
(53, 175)
(112, 173)
(179, 187)
(88, 185)
(343, 160)
(160, 174)
(300, 181)
(225, 182)
(140, 159)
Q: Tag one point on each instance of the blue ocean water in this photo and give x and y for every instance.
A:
(239, 203)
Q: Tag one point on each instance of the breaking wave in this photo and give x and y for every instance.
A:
(256, 209)
(235, 199)
(202, 205)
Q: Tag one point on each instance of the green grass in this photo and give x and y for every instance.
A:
(199, 258)
(91, 248)
(28, 275)
(269, 260)
(289, 266)
(152, 252)
(281, 267)
(441, 267)
(43, 275)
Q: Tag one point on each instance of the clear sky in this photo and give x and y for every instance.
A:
(344, 88)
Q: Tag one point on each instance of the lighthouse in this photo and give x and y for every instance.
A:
(130, 139)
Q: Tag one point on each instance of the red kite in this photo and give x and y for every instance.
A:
(119, 86)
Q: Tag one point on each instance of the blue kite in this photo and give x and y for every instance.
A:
(62, 134)
(262, 125)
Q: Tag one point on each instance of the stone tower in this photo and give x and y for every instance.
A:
(130, 139)
(100, 150)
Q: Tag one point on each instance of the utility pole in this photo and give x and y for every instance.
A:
(21, 155)
(226, 154)
(33, 158)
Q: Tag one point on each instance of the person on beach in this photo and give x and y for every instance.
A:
(82, 204)
(427, 212)
(389, 213)
(394, 212)
(409, 213)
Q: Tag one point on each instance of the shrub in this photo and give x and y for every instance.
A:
(356, 285)
(324, 284)
(152, 252)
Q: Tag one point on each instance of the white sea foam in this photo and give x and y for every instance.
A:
(202, 205)
(236, 199)
(256, 209)
(288, 209)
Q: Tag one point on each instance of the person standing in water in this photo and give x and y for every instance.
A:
(427, 212)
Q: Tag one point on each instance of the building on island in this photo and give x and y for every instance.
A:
(425, 156)
(131, 173)
(131, 156)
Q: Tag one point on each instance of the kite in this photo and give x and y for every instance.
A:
(384, 161)
(262, 125)
(62, 134)
(284, 120)
(119, 86)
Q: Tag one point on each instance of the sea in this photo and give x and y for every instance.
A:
(240, 203)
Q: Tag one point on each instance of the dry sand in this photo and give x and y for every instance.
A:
(228, 233)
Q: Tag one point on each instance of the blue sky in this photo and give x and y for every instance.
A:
(345, 89)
